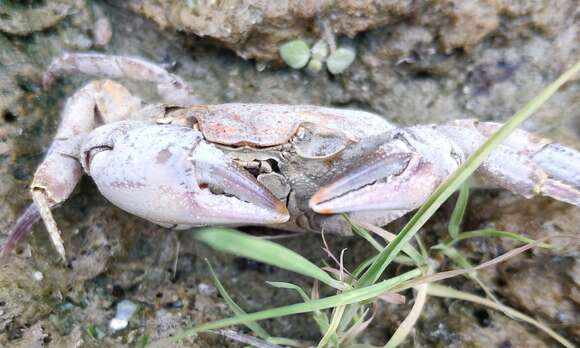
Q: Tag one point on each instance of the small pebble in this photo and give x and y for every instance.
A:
(125, 310)
(206, 289)
(38, 276)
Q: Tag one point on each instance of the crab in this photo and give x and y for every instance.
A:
(180, 164)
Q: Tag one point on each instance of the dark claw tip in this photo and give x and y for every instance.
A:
(22, 226)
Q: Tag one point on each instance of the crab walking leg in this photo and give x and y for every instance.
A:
(60, 171)
(525, 164)
(172, 88)
(41, 201)
(556, 160)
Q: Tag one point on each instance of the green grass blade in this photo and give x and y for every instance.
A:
(358, 326)
(407, 325)
(255, 327)
(238, 243)
(446, 292)
(290, 286)
(319, 317)
(461, 261)
(345, 298)
(459, 176)
(418, 258)
(490, 232)
(363, 233)
(459, 210)
(363, 265)
(330, 334)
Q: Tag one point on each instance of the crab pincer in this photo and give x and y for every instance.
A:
(171, 176)
(402, 174)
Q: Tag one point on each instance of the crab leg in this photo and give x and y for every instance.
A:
(24, 223)
(60, 171)
(525, 163)
(171, 87)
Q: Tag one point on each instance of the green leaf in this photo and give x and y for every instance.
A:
(255, 327)
(284, 285)
(407, 325)
(490, 232)
(320, 318)
(363, 228)
(330, 334)
(295, 53)
(461, 261)
(459, 210)
(238, 243)
(459, 176)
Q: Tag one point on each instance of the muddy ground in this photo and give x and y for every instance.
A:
(416, 63)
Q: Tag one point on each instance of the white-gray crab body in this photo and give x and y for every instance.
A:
(292, 167)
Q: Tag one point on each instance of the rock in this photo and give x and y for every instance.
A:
(23, 19)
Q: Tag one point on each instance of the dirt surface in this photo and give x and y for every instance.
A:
(415, 64)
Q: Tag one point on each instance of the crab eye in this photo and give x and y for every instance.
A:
(89, 154)
(314, 141)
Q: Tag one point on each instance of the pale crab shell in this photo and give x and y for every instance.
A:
(265, 125)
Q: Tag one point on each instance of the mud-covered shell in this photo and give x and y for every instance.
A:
(265, 125)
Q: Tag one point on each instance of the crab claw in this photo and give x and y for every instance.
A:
(243, 198)
(389, 179)
(171, 176)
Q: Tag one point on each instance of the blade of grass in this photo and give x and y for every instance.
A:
(490, 232)
(407, 325)
(446, 292)
(347, 297)
(447, 188)
(319, 317)
(359, 326)
(252, 341)
(290, 286)
(408, 249)
(330, 334)
(255, 327)
(363, 265)
(459, 210)
(507, 255)
(461, 261)
(238, 243)
(363, 233)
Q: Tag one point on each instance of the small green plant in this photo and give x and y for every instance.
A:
(342, 317)
(297, 54)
